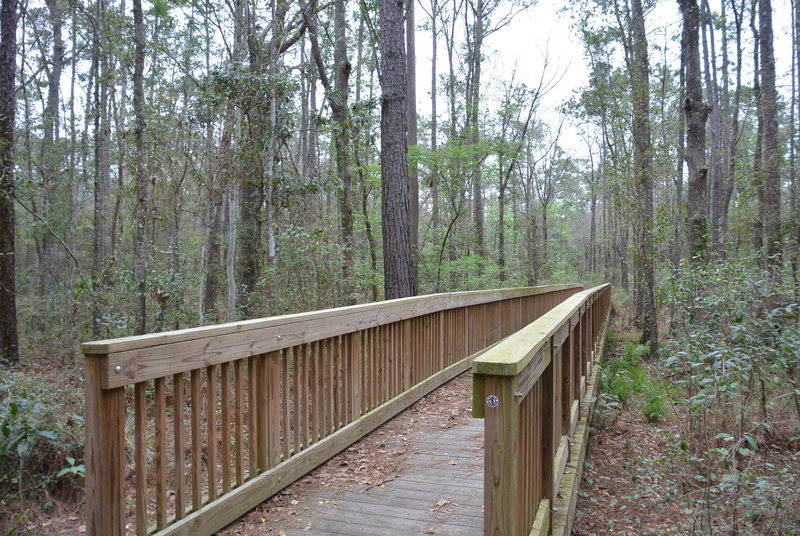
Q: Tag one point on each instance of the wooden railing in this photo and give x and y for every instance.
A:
(188, 430)
(535, 391)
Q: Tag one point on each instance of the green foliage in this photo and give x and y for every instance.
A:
(308, 272)
(624, 376)
(734, 355)
(655, 405)
(41, 427)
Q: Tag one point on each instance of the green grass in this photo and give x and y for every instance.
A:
(625, 379)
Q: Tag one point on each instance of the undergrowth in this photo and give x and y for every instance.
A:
(724, 393)
(41, 443)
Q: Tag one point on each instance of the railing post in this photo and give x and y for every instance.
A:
(551, 427)
(104, 418)
(500, 469)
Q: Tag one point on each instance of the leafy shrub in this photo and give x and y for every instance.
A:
(654, 407)
(734, 356)
(40, 427)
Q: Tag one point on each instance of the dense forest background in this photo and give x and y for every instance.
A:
(178, 163)
(204, 163)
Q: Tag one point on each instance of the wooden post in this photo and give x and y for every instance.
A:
(501, 426)
(272, 377)
(567, 381)
(104, 416)
(551, 426)
(357, 358)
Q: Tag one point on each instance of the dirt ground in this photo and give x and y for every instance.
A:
(638, 481)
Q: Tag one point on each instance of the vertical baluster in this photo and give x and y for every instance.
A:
(397, 376)
(330, 359)
(161, 453)
(347, 380)
(180, 465)
(239, 420)
(261, 411)
(196, 402)
(272, 386)
(356, 352)
(252, 415)
(305, 387)
(340, 370)
(551, 424)
(373, 362)
(313, 357)
(285, 386)
(297, 398)
(225, 425)
(566, 380)
(140, 457)
(211, 429)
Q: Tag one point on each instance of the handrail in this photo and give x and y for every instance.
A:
(535, 391)
(251, 406)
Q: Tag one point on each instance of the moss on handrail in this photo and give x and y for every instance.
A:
(512, 355)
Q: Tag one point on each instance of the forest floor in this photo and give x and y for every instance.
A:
(627, 486)
(640, 478)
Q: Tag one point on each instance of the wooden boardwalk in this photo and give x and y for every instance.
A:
(438, 491)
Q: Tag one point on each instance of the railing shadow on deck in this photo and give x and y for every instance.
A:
(188, 430)
(536, 390)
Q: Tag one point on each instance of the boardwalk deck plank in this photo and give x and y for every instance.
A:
(429, 495)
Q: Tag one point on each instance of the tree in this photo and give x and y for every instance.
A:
(636, 56)
(772, 156)
(696, 114)
(142, 183)
(338, 96)
(9, 344)
(411, 135)
(396, 224)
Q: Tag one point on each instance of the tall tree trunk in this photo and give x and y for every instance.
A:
(473, 113)
(9, 342)
(731, 151)
(211, 261)
(677, 253)
(696, 114)
(396, 222)
(102, 170)
(718, 104)
(772, 154)
(640, 87)
(433, 181)
(758, 152)
(338, 96)
(795, 208)
(411, 139)
(50, 271)
(141, 181)
(361, 166)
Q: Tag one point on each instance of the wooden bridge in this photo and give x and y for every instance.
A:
(187, 431)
